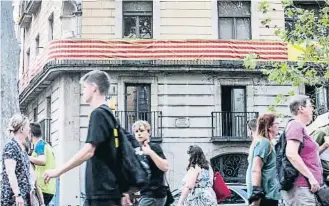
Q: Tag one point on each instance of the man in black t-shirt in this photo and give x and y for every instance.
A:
(99, 151)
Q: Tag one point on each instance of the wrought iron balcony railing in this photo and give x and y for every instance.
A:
(128, 118)
(231, 126)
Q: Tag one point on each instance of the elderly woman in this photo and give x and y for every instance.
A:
(16, 183)
(307, 161)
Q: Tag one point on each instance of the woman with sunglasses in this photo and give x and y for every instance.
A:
(155, 193)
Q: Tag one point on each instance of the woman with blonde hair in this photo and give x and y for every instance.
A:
(262, 182)
(155, 162)
(16, 183)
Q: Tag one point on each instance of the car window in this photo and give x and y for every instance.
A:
(243, 193)
(234, 198)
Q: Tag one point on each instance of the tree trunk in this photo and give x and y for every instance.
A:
(9, 103)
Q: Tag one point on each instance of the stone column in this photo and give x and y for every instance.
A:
(69, 145)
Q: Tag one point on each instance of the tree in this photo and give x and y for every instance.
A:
(9, 103)
(306, 29)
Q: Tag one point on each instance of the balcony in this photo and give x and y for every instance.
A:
(32, 6)
(25, 20)
(27, 9)
(128, 118)
(231, 126)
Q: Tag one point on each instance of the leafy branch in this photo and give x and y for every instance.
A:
(307, 31)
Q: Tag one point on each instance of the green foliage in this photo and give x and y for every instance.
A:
(308, 32)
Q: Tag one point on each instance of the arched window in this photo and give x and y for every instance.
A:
(233, 167)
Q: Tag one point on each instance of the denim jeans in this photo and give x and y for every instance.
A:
(150, 201)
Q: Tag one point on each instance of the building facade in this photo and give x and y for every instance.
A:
(191, 91)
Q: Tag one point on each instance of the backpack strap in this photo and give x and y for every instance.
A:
(116, 125)
(302, 143)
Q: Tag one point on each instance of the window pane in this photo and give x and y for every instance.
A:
(145, 27)
(243, 28)
(225, 28)
(138, 98)
(233, 8)
(138, 105)
(141, 6)
(234, 198)
(129, 27)
(131, 98)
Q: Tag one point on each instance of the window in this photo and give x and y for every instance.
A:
(319, 97)
(137, 19)
(48, 100)
(45, 128)
(234, 116)
(35, 114)
(138, 98)
(37, 45)
(51, 27)
(234, 198)
(232, 167)
(28, 56)
(137, 104)
(234, 20)
(290, 21)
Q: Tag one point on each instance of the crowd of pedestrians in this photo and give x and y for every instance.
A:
(269, 176)
(29, 173)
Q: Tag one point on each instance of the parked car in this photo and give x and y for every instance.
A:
(238, 195)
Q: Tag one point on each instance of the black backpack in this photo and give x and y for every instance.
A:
(286, 172)
(130, 173)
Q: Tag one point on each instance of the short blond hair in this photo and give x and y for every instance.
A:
(140, 123)
(16, 122)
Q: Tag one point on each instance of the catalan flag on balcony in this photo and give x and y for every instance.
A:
(83, 49)
(166, 49)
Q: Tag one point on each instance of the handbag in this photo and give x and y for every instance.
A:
(220, 188)
(322, 195)
(170, 199)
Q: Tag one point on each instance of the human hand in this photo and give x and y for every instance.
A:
(146, 148)
(125, 200)
(51, 174)
(255, 203)
(315, 186)
(19, 201)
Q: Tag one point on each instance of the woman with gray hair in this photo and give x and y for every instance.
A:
(16, 183)
(307, 159)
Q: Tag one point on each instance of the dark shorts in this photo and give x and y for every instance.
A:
(47, 198)
(268, 202)
(100, 202)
